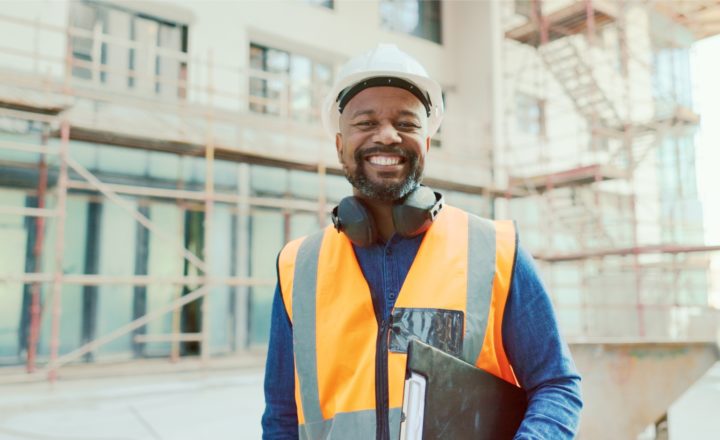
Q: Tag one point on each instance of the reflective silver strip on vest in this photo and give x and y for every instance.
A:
(357, 425)
(480, 273)
(303, 310)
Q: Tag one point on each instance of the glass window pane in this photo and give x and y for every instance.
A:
(221, 312)
(414, 17)
(117, 258)
(257, 57)
(146, 33)
(136, 68)
(324, 3)
(258, 84)
(117, 56)
(268, 180)
(300, 88)
(337, 188)
(321, 84)
(529, 112)
(164, 261)
(82, 18)
(225, 175)
(122, 160)
(302, 224)
(13, 236)
(304, 184)
(400, 15)
(278, 61)
(163, 165)
(168, 63)
(308, 83)
(266, 240)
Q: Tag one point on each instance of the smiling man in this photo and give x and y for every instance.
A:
(399, 264)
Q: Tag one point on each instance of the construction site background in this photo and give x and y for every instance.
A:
(155, 156)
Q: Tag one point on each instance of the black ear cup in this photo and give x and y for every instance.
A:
(354, 219)
(417, 212)
(411, 217)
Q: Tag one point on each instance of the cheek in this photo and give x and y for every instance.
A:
(353, 143)
(419, 145)
(347, 157)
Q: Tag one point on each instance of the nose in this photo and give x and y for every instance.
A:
(387, 135)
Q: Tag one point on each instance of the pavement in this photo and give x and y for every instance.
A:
(696, 414)
(171, 406)
(213, 404)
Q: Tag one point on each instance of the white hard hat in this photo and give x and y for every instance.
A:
(385, 63)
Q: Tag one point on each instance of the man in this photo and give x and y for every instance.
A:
(401, 265)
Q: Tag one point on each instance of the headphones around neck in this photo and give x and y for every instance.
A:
(411, 217)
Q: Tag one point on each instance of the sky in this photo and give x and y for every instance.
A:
(706, 83)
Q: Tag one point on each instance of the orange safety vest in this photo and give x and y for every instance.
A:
(464, 264)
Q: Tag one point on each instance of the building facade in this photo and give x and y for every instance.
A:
(155, 157)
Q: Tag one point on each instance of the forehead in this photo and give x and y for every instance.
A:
(381, 99)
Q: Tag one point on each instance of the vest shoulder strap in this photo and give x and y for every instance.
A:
(288, 260)
(286, 270)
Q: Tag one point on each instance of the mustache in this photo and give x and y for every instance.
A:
(360, 154)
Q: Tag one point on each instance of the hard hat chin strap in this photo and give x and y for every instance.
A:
(383, 81)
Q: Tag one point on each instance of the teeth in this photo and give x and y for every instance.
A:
(384, 160)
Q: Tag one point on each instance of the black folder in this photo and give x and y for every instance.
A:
(460, 400)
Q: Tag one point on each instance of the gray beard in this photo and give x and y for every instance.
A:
(385, 192)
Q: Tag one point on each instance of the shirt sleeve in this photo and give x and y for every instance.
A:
(279, 421)
(540, 358)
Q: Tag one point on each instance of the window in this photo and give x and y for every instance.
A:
(284, 83)
(421, 18)
(127, 50)
(324, 3)
(530, 114)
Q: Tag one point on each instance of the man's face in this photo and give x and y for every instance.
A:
(383, 142)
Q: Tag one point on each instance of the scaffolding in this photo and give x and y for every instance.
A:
(595, 193)
(204, 120)
(200, 120)
(60, 105)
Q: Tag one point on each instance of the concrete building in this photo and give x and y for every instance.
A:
(155, 156)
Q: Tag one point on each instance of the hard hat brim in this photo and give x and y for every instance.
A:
(331, 114)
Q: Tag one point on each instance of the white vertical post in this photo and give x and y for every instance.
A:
(207, 227)
(60, 209)
(242, 293)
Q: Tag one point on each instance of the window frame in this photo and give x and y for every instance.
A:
(429, 18)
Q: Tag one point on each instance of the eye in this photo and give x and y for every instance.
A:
(407, 125)
(365, 124)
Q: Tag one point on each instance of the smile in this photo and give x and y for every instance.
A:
(385, 160)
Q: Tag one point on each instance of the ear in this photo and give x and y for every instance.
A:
(427, 144)
(338, 145)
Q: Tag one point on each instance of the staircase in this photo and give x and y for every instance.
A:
(574, 214)
(575, 75)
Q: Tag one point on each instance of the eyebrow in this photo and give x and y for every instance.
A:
(372, 112)
(409, 113)
(362, 113)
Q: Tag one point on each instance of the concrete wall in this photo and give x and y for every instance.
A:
(628, 386)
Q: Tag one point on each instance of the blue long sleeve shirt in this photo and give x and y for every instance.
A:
(540, 359)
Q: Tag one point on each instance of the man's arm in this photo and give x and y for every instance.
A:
(280, 418)
(540, 358)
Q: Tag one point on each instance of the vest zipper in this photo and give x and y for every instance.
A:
(381, 383)
(382, 399)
